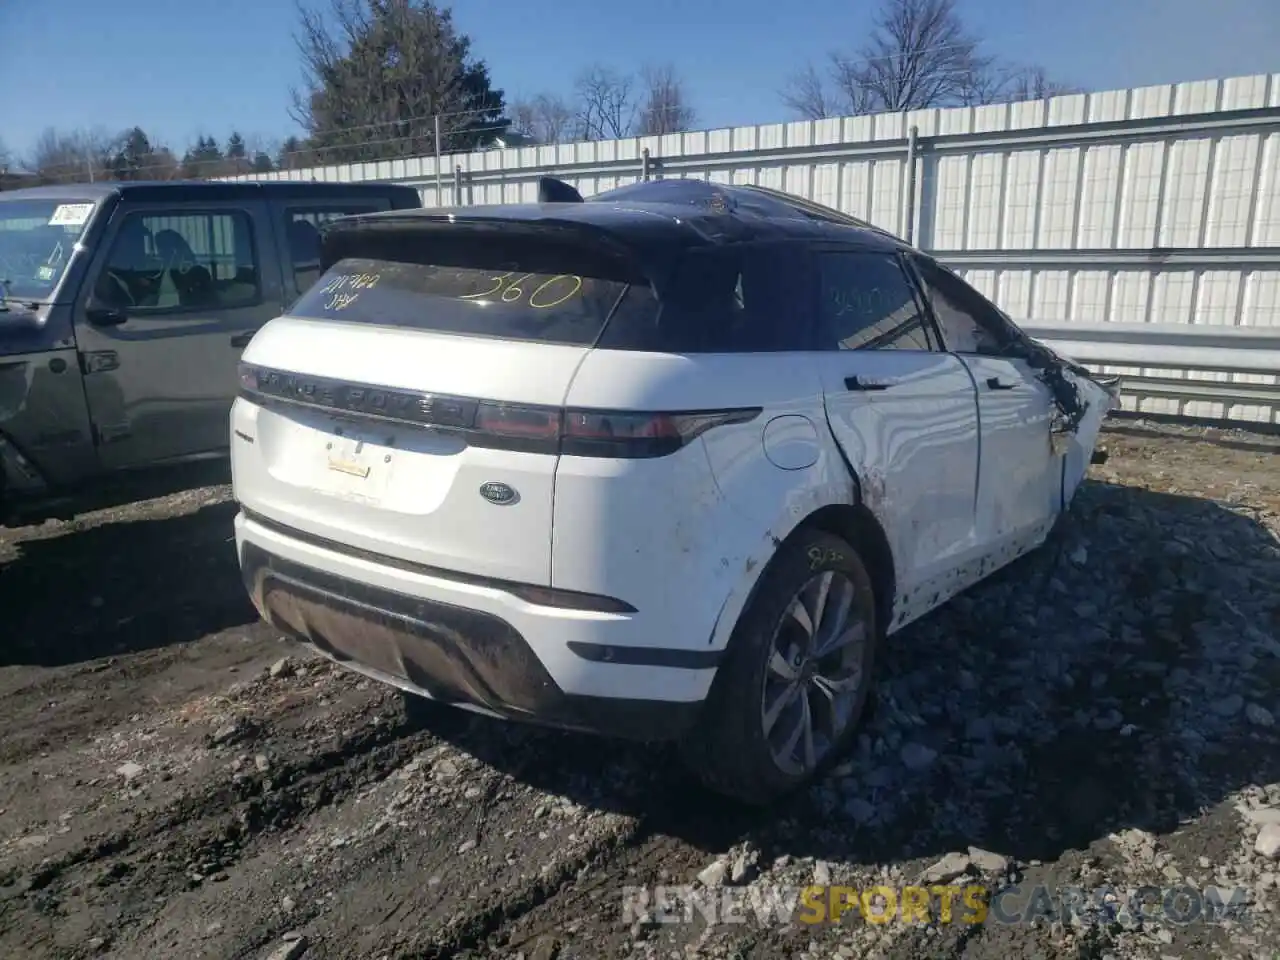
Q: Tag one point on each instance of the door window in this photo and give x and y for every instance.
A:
(302, 228)
(168, 262)
(969, 322)
(867, 302)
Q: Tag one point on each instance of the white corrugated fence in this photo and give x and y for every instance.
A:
(1158, 205)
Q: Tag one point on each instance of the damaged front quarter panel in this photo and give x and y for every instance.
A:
(1081, 402)
(45, 436)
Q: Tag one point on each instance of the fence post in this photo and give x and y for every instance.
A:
(644, 164)
(439, 163)
(457, 185)
(909, 200)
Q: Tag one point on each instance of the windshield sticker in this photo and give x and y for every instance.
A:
(44, 273)
(71, 214)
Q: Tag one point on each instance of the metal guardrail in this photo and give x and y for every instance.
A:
(1179, 348)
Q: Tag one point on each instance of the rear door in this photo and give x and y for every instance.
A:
(173, 294)
(410, 403)
(1020, 484)
(903, 411)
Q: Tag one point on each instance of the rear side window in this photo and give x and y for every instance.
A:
(739, 298)
(512, 304)
(867, 302)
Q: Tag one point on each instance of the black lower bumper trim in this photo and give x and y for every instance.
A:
(647, 656)
(453, 654)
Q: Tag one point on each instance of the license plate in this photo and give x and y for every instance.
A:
(356, 468)
(350, 456)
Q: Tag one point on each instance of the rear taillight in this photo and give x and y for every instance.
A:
(618, 434)
(505, 420)
(625, 434)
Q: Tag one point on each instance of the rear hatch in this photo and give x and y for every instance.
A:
(411, 402)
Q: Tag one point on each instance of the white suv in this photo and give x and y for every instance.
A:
(667, 463)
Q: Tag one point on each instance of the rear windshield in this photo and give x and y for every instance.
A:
(512, 304)
(736, 298)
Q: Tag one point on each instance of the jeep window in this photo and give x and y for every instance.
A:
(867, 302)
(174, 262)
(36, 240)
(302, 227)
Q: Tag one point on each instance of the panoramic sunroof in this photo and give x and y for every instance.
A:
(720, 197)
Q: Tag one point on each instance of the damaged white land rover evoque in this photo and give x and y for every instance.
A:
(668, 463)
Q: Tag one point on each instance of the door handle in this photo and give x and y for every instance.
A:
(853, 383)
(995, 383)
(241, 340)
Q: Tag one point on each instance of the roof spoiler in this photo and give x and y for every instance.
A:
(358, 236)
(551, 190)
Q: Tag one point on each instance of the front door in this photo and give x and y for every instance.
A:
(905, 415)
(1020, 476)
(1020, 485)
(173, 296)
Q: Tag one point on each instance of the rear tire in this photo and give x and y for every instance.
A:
(750, 743)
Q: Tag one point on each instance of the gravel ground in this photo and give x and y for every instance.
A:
(179, 781)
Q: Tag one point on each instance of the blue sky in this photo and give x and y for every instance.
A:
(182, 69)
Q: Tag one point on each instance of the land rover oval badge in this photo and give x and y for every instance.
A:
(498, 493)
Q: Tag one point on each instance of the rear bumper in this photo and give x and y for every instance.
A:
(461, 644)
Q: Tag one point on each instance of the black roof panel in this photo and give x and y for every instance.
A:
(686, 211)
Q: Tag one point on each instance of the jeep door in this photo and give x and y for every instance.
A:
(175, 292)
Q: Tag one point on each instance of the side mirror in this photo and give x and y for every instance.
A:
(102, 316)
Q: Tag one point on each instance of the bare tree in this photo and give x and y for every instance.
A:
(546, 118)
(606, 104)
(6, 158)
(377, 73)
(67, 157)
(919, 54)
(1033, 83)
(665, 107)
(806, 94)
